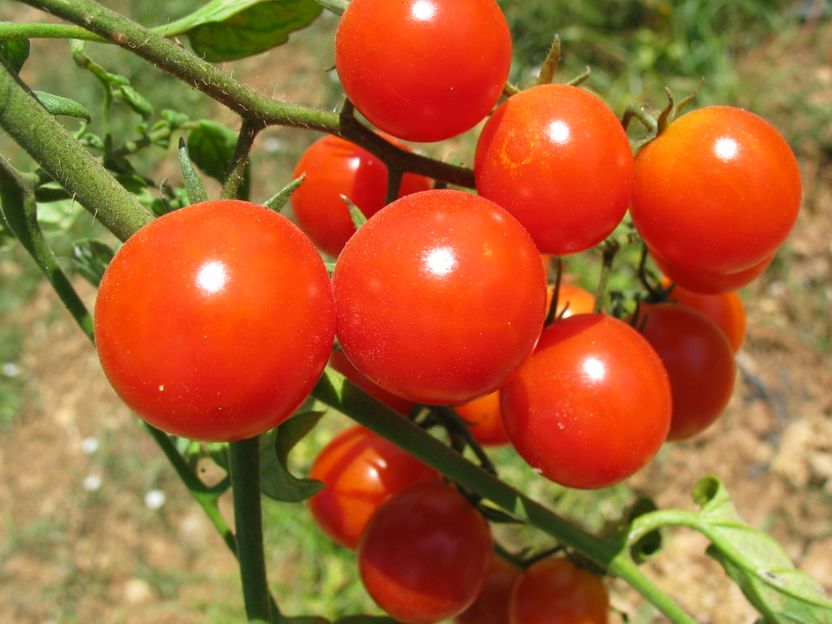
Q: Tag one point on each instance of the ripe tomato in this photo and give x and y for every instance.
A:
(423, 70)
(484, 419)
(339, 362)
(361, 470)
(558, 159)
(724, 309)
(717, 192)
(591, 406)
(708, 282)
(215, 321)
(491, 605)
(556, 591)
(336, 167)
(439, 297)
(424, 554)
(699, 361)
(573, 300)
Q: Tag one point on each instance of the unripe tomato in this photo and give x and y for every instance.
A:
(440, 297)
(556, 591)
(484, 419)
(215, 321)
(423, 70)
(558, 159)
(724, 309)
(361, 470)
(718, 191)
(591, 406)
(699, 362)
(424, 554)
(335, 167)
(491, 605)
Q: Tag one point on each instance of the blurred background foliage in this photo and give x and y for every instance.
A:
(731, 51)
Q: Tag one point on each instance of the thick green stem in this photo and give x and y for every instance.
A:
(245, 485)
(336, 391)
(56, 150)
(13, 30)
(239, 162)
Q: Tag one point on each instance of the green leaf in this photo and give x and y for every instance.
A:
(275, 479)
(15, 52)
(226, 30)
(757, 563)
(91, 258)
(57, 105)
(59, 215)
(135, 100)
(211, 147)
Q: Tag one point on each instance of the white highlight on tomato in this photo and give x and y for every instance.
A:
(423, 10)
(594, 369)
(726, 148)
(440, 261)
(212, 276)
(559, 132)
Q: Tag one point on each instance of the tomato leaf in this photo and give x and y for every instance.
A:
(757, 562)
(61, 106)
(15, 52)
(211, 148)
(226, 30)
(275, 479)
(90, 257)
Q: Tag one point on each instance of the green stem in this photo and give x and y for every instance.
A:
(245, 484)
(52, 146)
(336, 391)
(14, 30)
(239, 161)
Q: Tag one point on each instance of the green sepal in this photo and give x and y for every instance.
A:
(275, 479)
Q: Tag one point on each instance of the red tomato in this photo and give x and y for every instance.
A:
(724, 309)
(439, 297)
(361, 470)
(336, 167)
(491, 605)
(215, 321)
(424, 554)
(423, 70)
(339, 362)
(717, 192)
(708, 282)
(484, 419)
(556, 591)
(591, 406)
(699, 361)
(558, 159)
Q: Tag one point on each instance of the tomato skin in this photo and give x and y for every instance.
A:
(439, 297)
(341, 363)
(491, 605)
(708, 282)
(717, 192)
(573, 300)
(423, 70)
(484, 419)
(591, 406)
(558, 159)
(699, 362)
(424, 554)
(556, 591)
(361, 470)
(724, 309)
(335, 167)
(215, 321)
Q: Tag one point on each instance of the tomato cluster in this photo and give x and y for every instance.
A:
(215, 321)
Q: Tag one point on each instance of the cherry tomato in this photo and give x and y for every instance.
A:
(718, 191)
(335, 167)
(424, 554)
(724, 309)
(439, 297)
(339, 362)
(558, 159)
(361, 470)
(699, 361)
(491, 605)
(708, 282)
(556, 591)
(484, 419)
(215, 321)
(423, 70)
(591, 406)
(573, 300)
